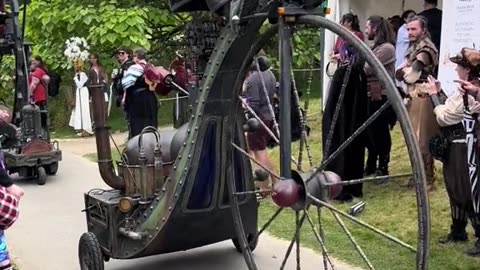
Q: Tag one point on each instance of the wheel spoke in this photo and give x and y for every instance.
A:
(320, 240)
(252, 192)
(368, 179)
(265, 226)
(322, 236)
(337, 112)
(349, 140)
(265, 92)
(294, 240)
(304, 124)
(270, 132)
(389, 237)
(255, 161)
(297, 219)
(352, 239)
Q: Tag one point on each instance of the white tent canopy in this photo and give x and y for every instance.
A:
(363, 9)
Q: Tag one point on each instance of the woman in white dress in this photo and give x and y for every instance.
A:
(80, 119)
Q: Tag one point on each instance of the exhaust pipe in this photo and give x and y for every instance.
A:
(104, 151)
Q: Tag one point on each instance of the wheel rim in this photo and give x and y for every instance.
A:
(418, 175)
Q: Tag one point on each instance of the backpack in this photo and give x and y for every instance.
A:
(53, 85)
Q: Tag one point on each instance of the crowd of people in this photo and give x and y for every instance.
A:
(408, 47)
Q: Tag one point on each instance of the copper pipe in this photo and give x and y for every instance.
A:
(104, 151)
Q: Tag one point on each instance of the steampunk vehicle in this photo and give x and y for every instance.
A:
(171, 189)
(33, 154)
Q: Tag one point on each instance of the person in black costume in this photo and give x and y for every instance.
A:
(140, 102)
(353, 113)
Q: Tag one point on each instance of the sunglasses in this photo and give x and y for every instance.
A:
(121, 53)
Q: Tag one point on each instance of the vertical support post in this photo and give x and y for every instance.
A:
(321, 35)
(285, 33)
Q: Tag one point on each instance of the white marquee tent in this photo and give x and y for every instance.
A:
(364, 9)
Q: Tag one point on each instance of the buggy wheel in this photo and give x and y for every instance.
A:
(52, 169)
(302, 201)
(253, 242)
(41, 176)
(90, 252)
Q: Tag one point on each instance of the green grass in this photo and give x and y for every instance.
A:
(390, 208)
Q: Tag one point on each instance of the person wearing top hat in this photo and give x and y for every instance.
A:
(449, 114)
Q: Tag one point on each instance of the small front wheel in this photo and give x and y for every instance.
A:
(41, 176)
(253, 242)
(90, 253)
(52, 168)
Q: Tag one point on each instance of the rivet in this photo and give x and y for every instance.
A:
(151, 207)
(189, 156)
(186, 170)
(144, 215)
(188, 130)
(193, 116)
(174, 168)
(184, 144)
(170, 208)
(199, 115)
(180, 182)
(193, 142)
(176, 195)
(164, 189)
(158, 199)
(163, 219)
(210, 62)
(156, 228)
(150, 236)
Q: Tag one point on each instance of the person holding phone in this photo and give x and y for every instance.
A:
(449, 114)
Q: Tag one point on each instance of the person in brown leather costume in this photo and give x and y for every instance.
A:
(421, 60)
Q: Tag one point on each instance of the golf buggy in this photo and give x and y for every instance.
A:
(33, 154)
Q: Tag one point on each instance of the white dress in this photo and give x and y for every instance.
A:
(80, 119)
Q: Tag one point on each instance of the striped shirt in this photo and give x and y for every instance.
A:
(132, 74)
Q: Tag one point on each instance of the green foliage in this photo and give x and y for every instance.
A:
(7, 79)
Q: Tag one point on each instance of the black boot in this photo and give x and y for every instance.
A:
(371, 163)
(383, 168)
(475, 251)
(457, 233)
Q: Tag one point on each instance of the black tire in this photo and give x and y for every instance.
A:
(52, 169)
(90, 253)
(252, 246)
(41, 176)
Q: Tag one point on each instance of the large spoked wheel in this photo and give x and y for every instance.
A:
(307, 186)
(90, 253)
